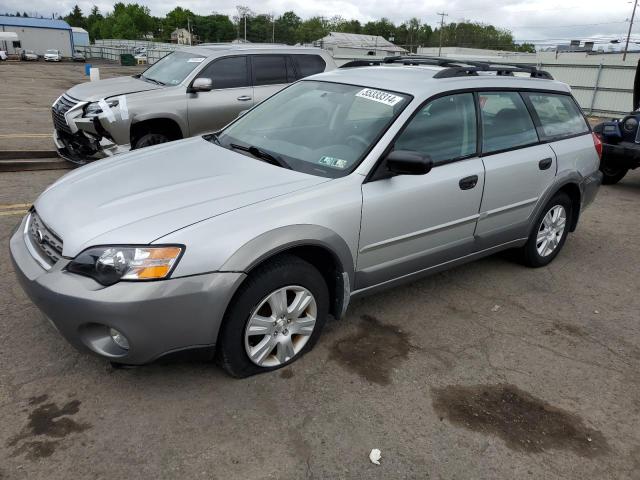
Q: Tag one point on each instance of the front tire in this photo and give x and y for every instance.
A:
(275, 317)
(612, 175)
(550, 232)
(149, 139)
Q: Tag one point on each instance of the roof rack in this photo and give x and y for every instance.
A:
(455, 68)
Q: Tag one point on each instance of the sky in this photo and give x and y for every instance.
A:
(536, 21)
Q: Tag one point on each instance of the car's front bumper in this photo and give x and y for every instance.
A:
(73, 147)
(622, 154)
(157, 318)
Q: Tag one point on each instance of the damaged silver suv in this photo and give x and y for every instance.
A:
(339, 185)
(189, 92)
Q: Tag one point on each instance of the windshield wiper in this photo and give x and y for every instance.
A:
(261, 154)
(152, 80)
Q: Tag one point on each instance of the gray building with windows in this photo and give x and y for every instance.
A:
(37, 34)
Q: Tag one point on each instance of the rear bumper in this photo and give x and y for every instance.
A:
(158, 318)
(589, 187)
(623, 154)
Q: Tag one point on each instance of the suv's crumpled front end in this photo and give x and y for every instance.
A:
(91, 120)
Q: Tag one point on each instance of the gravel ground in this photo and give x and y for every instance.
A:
(487, 371)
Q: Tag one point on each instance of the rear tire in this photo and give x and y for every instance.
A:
(149, 139)
(259, 333)
(550, 232)
(612, 175)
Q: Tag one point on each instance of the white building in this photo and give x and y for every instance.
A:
(37, 34)
(80, 37)
(181, 36)
(355, 44)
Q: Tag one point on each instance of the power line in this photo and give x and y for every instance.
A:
(442, 15)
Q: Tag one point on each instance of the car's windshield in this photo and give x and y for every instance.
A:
(317, 127)
(172, 69)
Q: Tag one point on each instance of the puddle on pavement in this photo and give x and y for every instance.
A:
(48, 420)
(286, 373)
(523, 421)
(567, 329)
(373, 351)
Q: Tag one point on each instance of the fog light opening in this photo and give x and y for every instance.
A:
(119, 339)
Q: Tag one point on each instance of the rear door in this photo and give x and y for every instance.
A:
(270, 73)
(413, 222)
(518, 168)
(231, 94)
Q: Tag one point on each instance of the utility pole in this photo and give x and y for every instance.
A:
(273, 28)
(442, 15)
(633, 14)
(245, 28)
(189, 30)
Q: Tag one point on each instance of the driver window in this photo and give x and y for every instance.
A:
(445, 129)
(229, 72)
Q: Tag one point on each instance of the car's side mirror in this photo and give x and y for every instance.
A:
(202, 85)
(407, 162)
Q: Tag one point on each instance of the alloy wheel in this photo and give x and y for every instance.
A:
(551, 230)
(280, 326)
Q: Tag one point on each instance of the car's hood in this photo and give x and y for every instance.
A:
(94, 91)
(141, 196)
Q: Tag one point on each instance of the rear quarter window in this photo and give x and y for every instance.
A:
(308, 65)
(558, 114)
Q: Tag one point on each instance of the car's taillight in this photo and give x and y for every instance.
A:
(598, 144)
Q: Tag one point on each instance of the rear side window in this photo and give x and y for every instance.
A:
(229, 72)
(506, 122)
(445, 129)
(269, 69)
(308, 65)
(559, 115)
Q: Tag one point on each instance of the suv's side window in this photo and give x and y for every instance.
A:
(269, 69)
(506, 122)
(444, 129)
(308, 65)
(558, 114)
(227, 72)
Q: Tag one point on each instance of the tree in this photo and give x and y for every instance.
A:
(286, 28)
(312, 29)
(75, 18)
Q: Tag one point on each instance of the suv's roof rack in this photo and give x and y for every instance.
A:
(455, 68)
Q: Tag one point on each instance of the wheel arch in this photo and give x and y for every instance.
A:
(320, 246)
(169, 126)
(569, 183)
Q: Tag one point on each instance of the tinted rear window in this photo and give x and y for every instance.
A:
(269, 69)
(506, 122)
(308, 65)
(559, 115)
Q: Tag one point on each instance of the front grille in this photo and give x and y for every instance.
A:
(62, 106)
(45, 243)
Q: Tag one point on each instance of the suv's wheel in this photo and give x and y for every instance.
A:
(276, 317)
(149, 139)
(611, 175)
(550, 233)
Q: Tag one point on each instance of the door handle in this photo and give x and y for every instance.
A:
(244, 98)
(545, 163)
(467, 183)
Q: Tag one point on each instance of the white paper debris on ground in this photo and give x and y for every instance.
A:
(495, 308)
(375, 456)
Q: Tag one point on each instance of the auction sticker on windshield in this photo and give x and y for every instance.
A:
(333, 162)
(379, 96)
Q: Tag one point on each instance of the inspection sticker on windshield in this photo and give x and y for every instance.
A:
(196, 60)
(379, 96)
(333, 162)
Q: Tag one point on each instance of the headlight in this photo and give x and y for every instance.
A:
(109, 265)
(94, 109)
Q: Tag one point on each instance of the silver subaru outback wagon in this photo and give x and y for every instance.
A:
(189, 92)
(339, 185)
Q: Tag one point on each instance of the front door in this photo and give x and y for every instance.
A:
(413, 222)
(232, 93)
